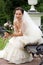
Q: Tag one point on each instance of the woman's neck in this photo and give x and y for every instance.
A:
(19, 20)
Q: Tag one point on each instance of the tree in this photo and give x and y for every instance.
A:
(3, 15)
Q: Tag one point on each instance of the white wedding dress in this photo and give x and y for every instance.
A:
(14, 50)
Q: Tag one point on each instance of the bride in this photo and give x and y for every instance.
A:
(25, 32)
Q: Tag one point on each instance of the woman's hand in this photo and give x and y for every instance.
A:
(17, 34)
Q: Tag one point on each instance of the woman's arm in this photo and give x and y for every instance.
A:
(17, 34)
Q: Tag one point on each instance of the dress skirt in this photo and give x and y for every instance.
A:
(14, 51)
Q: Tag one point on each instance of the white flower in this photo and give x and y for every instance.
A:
(6, 24)
(11, 27)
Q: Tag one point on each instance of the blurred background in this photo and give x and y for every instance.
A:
(7, 9)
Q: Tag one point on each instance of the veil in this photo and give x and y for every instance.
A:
(31, 26)
(32, 30)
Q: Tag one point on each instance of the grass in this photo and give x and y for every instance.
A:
(3, 43)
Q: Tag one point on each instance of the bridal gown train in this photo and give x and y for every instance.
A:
(14, 50)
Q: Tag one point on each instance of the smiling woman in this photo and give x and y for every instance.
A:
(24, 33)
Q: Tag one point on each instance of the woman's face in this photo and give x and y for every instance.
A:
(18, 14)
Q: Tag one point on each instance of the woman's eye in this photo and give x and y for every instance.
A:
(18, 14)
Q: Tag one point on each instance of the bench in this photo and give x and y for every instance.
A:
(35, 49)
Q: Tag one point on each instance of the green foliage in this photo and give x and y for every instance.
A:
(39, 6)
(3, 15)
(42, 20)
(2, 7)
(3, 42)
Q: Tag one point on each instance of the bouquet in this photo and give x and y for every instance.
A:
(8, 27)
